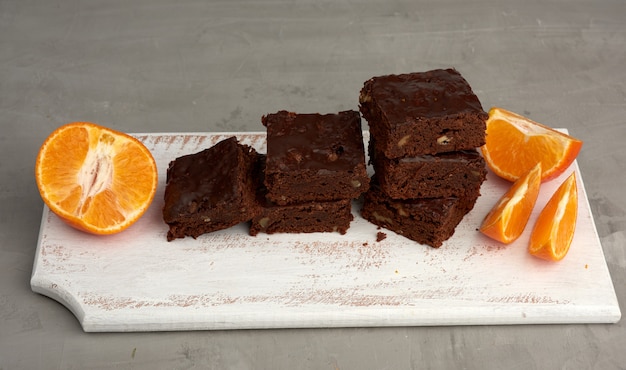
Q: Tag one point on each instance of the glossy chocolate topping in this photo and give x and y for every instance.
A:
(206, 178)
(322, 142)
(435, 93)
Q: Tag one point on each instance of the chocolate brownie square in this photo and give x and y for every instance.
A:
(428, 221)
(422, 113)
(307, 217)
(430, 175)
(314, 157)
(210, 190)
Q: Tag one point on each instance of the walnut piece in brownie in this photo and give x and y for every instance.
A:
(314, 157)
(422, 113)
(428, 221)
(210, 190)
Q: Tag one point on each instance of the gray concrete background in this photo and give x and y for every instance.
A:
(170, 66)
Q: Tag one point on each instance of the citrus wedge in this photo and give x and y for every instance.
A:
(95, 179)
(554, 229)
(508, 218)
(514, 144)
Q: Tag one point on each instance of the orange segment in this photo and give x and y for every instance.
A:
(554, 229)
(514, 144)
(508, 218)
(94, 178)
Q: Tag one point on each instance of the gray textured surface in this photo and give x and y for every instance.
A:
(163, 66)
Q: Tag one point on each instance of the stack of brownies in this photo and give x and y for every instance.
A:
(424, 132)
(314, 167)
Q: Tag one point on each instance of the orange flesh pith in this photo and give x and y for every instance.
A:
(555, 226)
(96, 179)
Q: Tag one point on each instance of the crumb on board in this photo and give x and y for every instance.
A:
(380, 236)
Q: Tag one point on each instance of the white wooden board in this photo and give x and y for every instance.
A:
(137, 281)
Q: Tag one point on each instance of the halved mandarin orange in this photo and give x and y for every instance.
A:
(514, 144)
(95, 179)
(553, 232)
(506, 221)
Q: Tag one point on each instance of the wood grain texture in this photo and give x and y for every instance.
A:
(137, 281)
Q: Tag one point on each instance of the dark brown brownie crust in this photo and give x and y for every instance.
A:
(210, 190)
(423, 113)
(431, 176)
(305, 217)
(428, 221)
(314, 157)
